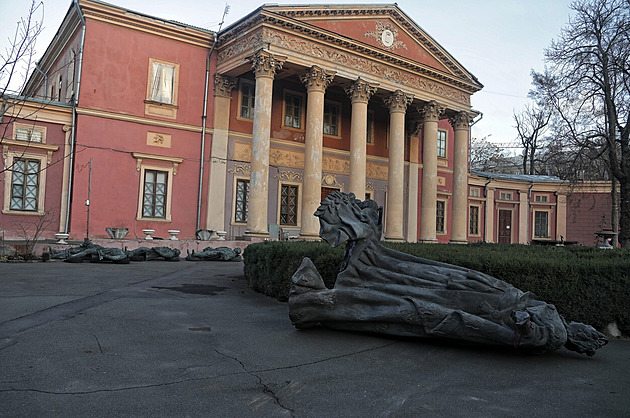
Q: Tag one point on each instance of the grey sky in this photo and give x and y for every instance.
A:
(499, 41)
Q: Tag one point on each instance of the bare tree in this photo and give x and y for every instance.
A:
(17, 60)
(532, 124)
(487, 156)
(587, 82)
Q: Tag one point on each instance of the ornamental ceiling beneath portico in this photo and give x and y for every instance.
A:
(378, 43)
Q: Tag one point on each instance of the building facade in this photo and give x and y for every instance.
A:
(160, 125)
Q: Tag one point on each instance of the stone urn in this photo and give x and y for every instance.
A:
(148, 233)
(117, 233)
(62, 238)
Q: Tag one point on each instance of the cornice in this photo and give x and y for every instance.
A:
(288, 18)
(125, 18)
(141, 120)
(40, 112)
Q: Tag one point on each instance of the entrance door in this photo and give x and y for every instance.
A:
(326, 191)
(505, 226)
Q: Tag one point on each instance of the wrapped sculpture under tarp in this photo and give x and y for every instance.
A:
(385, 291)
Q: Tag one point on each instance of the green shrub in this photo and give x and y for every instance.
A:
(585, 284)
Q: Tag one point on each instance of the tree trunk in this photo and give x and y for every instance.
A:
(624, 218)
(614, 214)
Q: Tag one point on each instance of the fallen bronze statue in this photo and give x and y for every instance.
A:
(388, 292)
(87, 250)
(215, 254)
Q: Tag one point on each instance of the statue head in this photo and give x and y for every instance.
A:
(343, 218)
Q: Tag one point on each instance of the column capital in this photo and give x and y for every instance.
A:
(317, 79)
(460, 120)
(361, 91)
(398, 101)
(265, 64)
(223, 85)
(431, 112)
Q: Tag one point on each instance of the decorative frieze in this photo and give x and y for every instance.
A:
(398, 101)
(294, 159)
(361, 91)
(223, 85)
(250, 42)
(157, 139)
(431, 112)
(330, 180)
(317, 79)
(241, 169)
(287, 175)
(377, 171)
(367, 66)
(266, 64)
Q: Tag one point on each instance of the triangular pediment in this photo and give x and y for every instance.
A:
(381, 27)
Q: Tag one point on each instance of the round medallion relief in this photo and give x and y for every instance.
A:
(387, 38)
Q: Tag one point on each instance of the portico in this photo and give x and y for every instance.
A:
(335, 113)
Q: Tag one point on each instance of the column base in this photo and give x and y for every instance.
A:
(394, 239)
(257, 234)
(458, 241)
(428, 240)
(310, 237)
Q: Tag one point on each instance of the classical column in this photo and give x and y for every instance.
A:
(461, 125)
(431, 115)
(264, 65)
(523, 215)
(360, 92)
(413, 186)
(561, 217)
(215, 213)
(66, 175)
(397, 103)
(489, 221)
(316, 81)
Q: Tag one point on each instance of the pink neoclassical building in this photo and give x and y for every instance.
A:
(164, 126)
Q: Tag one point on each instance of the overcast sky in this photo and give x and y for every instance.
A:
(499, 41)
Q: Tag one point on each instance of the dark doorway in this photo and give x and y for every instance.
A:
(505, 226)
(326, 191)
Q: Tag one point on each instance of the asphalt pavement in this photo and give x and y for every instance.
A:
(190, 339)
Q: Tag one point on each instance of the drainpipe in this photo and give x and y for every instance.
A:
(45, 79)
(204, 117)
(75, 102)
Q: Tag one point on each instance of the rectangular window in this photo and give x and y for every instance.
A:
(331, 119)
(506, 196)
(288, 204)
(162, 83)
(541, 224)
(541, 198)
(474, 192)
(25, 185)
(293, 110)
(248, 97)
(242, 200)
(441, 144)
(154, 196)
(30, 134)
(440, 217)
(474, 221)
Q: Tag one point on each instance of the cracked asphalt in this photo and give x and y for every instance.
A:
(163, 339)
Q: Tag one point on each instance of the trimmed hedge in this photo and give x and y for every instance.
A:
(586, 284)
